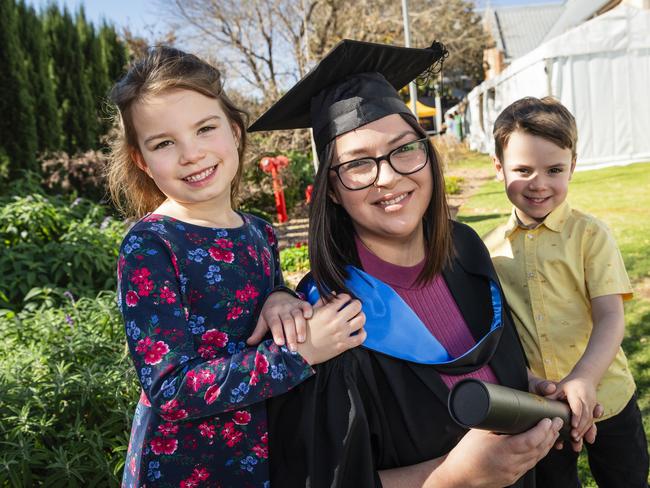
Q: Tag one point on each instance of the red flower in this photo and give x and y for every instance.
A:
(167, 295)
(223, 243)
(214, 337)
(211, 394)
(168, 429)
(220, 255)
(270, 235)
(255, 378)
(252, 252)
(261, 451)
(153, 351)
(230, 435)
(170, 411)
(266, 256)
(140, 275)
(234, 313)
(193, 380)
(207, 430)
(261, 363)
(190, 482)
(163, 445)
(132, 298)
(200, 474)
(247, 293)
(145, 287)
(242, 417)
(207, 377)
(265, 438)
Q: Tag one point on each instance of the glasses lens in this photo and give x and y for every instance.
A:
(358, 174)
(409, 157)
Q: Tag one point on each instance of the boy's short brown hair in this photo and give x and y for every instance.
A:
(546, 118)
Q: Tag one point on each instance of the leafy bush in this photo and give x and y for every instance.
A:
(295, 259)
(81, 174)
(50, 242)
(67, 395)
(453, 184)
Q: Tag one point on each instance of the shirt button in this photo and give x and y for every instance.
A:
(531, 274)
(547, 361)
(540, 317)
(530, 236)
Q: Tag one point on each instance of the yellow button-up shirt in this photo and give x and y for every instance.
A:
(549, 275)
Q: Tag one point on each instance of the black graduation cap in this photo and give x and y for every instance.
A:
(353, 85)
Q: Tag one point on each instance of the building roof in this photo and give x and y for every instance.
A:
(518, 30)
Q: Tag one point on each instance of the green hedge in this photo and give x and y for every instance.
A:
(68, 392)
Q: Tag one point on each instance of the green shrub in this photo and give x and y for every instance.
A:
(453, 184)
(68, 393)
(293, 259)
(50, 242)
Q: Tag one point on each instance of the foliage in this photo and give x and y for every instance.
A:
(82, 174)
(453, 184)
(293, 259)
(56, 73)
(67, 395)
(51, 242)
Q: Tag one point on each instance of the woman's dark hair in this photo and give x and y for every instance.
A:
(331, 233)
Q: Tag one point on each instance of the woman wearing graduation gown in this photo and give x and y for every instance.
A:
(380, 229)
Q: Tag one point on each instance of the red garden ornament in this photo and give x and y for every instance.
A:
(273, 165)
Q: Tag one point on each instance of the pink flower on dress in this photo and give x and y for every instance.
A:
(145, 287)
(247, 293)
(190, 482)
(261, 363)
(266, 256)
(261, 451)
(242, 417)
(163, 445)
(252, 252)
(220, 255)
(171, 412)
(132, 298)
(223, 243)
(140, 275)
(211, 394)
(153, 351)
(270, 235)
(200, 473)
(207, 430)
(207, 377)
(230, 435)
(193, 380)
(167, 295)
(168, 429)
(234, 313)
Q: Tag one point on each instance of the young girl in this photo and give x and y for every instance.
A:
(193, 275)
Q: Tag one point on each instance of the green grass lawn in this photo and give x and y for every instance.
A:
(619, 196)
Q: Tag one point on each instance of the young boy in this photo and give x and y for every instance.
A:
(565, 282)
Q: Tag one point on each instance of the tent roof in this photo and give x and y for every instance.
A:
(423, 110)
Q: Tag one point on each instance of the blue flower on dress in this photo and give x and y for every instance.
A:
(145, 376)
(132, 330)
(196, 324)
(278, 371)
(197, 255)
(168, 388)
(222, 233)
(158, 227)
(153, 473)
(213, 275)
(248, 463)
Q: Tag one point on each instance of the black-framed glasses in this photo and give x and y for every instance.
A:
(405, 160)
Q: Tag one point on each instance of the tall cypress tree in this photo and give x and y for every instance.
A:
(76, 107)
(17, 126)
(31, 35)
(115, 52)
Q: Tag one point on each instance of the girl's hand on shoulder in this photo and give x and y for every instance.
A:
(483, 459)
(334, 328)
(285, 316)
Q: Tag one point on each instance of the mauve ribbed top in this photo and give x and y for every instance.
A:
(433, 304)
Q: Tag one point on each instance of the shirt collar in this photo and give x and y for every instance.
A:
(554, 221)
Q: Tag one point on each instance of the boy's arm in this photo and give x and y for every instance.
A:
(579, 386)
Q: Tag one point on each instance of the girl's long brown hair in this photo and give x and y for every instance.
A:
(331, 233)
(162, 69)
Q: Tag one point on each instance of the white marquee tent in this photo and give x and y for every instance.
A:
(600, 70)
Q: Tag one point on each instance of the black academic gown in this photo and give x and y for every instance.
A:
(364, 411)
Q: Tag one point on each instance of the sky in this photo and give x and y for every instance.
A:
(143, 17)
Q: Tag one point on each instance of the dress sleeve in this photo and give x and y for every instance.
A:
(183, 378)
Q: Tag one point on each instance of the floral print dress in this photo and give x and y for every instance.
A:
(190, 296)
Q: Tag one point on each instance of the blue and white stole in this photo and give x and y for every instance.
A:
(394, 329)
